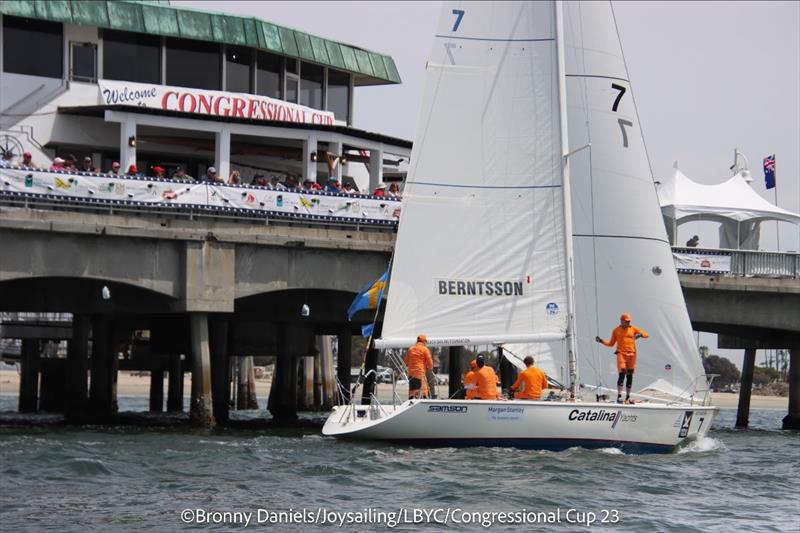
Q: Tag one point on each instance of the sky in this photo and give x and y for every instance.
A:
(707, 77)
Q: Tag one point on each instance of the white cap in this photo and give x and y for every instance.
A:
(58, 160)
(212, 169)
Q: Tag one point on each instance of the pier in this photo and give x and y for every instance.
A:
(212, 292)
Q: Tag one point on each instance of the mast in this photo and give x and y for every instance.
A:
(567, 202)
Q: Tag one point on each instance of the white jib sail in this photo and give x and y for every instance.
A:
(480, 251)
(623, 259)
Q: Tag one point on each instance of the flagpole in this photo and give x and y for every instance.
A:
(777, 222)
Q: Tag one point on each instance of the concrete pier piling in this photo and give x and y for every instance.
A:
(324, 381)
(246, 384)
(344, 361)
(370, 364)
(220, 368)
(29, 378)
(283, 394)
(175, 384)
(52, 385)
(156, 390)
(77, 373)
(102, 382)
(748, 366)
(792, 419)
(305, 390)
(293, 341)
(455, 369)
(201, 408)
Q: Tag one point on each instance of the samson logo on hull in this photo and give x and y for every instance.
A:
(455, 287)
(447, 408)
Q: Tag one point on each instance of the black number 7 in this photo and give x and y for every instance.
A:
(621, 90)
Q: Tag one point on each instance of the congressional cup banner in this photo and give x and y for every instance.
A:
(209, 103)
(164, 192)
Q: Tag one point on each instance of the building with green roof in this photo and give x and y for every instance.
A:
(149, 82)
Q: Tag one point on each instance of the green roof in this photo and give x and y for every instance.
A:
(158, 18)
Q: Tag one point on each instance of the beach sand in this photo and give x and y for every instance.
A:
(133, 384)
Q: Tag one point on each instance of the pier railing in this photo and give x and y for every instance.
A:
(746, 263)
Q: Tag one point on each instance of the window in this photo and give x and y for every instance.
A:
(268, 77)
(311, 85)
(83, 62)
(131, 57)
(193, 64)
(33, 47)
(237, 69)
(339, 94)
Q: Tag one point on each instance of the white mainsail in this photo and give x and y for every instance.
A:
(485, 175)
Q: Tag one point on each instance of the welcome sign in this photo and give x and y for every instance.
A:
(209, 103)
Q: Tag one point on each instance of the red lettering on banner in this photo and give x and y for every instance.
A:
(251, 107)
(182, 102)
(204, 102)
(238, 107)
(165, 99)
(218, 102)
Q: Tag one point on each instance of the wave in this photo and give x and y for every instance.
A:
(703, 445)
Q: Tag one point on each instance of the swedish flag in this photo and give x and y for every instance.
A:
(370, 296)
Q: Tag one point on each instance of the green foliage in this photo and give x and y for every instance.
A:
(764, 376)
(728, 373)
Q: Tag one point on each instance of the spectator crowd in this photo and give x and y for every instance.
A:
(69, 163)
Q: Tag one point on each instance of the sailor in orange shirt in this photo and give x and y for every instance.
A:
(624, 336)
(469, 380)
(485, 380)
(419, 361)
(530, 382)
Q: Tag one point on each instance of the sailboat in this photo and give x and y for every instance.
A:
(530, 222)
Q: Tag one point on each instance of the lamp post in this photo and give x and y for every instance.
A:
(745, 172)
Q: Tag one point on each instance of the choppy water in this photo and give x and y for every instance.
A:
(124, 478)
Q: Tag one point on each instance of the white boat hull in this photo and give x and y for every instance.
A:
(639, 428)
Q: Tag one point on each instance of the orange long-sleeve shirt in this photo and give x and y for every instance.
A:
(469, 379)
(624, 338)
(487, 382)
(418, 360)
(533, 381)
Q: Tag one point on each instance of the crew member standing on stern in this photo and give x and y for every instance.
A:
(419, 361)
(624, 336)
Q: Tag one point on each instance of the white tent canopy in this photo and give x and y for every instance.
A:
(733, 203)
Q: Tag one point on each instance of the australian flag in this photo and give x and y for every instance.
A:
(769, 171)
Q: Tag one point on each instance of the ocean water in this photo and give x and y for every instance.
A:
(166, 478)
